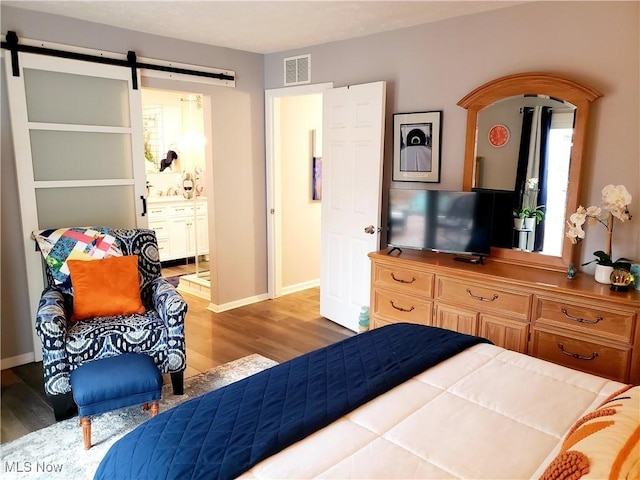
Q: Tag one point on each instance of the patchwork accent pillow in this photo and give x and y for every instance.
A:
(104, 288)
(77, 243)
(604, 443)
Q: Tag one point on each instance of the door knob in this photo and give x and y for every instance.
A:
(370, 229)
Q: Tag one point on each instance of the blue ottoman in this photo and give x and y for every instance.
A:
(115, 382)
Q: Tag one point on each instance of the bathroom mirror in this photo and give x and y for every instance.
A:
(525, 143)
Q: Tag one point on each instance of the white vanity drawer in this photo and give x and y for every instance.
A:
(180, 210)
(155, 211)
(163, 248)
(201, 208)
(161, 228)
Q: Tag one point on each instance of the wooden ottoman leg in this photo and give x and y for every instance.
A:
(154, 407)
(85, 422)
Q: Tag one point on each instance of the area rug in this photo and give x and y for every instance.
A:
(58, 452)
(174, 280)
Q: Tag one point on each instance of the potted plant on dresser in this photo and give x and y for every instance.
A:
(615, 201)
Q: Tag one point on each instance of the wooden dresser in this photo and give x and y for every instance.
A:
(578, 323)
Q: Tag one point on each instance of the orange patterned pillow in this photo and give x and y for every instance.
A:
(604, 443)
(107, 287)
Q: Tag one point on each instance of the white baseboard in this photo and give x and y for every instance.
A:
(300, 286)
(236, 304)
(259, 298)
(17, 360)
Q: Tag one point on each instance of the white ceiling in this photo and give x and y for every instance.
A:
(261, 26)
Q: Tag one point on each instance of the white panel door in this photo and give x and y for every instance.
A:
(77, 131)
(353, 141)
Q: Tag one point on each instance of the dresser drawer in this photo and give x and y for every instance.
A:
(484, 298)
(380, 322)
(599, 359)
(396, 307)
(403, 279)
(603, 322)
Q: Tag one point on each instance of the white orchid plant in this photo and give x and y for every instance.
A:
(615, 204)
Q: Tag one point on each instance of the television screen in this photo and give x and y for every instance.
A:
(451, 222)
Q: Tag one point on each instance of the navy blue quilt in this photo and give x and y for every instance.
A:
(224, 433)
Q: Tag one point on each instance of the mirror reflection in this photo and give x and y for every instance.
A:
(523, 151)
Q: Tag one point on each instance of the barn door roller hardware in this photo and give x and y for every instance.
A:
(131, 62)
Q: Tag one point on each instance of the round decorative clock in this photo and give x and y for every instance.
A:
(499, 135)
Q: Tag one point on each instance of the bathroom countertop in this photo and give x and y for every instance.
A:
(171, 198)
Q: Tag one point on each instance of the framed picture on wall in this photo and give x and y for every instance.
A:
(416, 146)
(316, 179)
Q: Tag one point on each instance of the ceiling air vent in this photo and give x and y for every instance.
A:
(297, 70)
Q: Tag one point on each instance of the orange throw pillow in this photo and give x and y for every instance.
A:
(105, 287)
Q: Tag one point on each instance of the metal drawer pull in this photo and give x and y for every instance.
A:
(482, 299)
(400, 308)
(581, 320)
(593, 356)
(393, 275)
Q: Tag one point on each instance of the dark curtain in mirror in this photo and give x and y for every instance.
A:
(533, 162)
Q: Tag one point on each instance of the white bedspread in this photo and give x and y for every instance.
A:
(485, 413)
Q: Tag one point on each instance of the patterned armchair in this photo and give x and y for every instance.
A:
(159, 332)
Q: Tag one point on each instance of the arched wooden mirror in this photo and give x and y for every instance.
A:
(524, 144)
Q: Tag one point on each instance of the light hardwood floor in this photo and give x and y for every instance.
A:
(279, 329)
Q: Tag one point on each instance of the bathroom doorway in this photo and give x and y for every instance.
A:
(176, 174)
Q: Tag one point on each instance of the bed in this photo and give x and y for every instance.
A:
(402, 401)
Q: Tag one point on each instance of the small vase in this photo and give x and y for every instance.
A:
(603, 274)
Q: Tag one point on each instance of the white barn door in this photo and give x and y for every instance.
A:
(353, 150)
(77, 131)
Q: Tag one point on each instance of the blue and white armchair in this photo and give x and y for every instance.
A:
(159, 332)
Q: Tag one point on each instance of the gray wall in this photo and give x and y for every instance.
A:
(239, 258)
(431, 67)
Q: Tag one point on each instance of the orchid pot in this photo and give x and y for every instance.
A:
(529, 223)
(603, 274)
(615, 201)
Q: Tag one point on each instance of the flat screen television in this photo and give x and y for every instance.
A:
(442, 221)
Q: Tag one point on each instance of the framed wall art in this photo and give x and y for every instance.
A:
(416, 146)
(316, 179)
